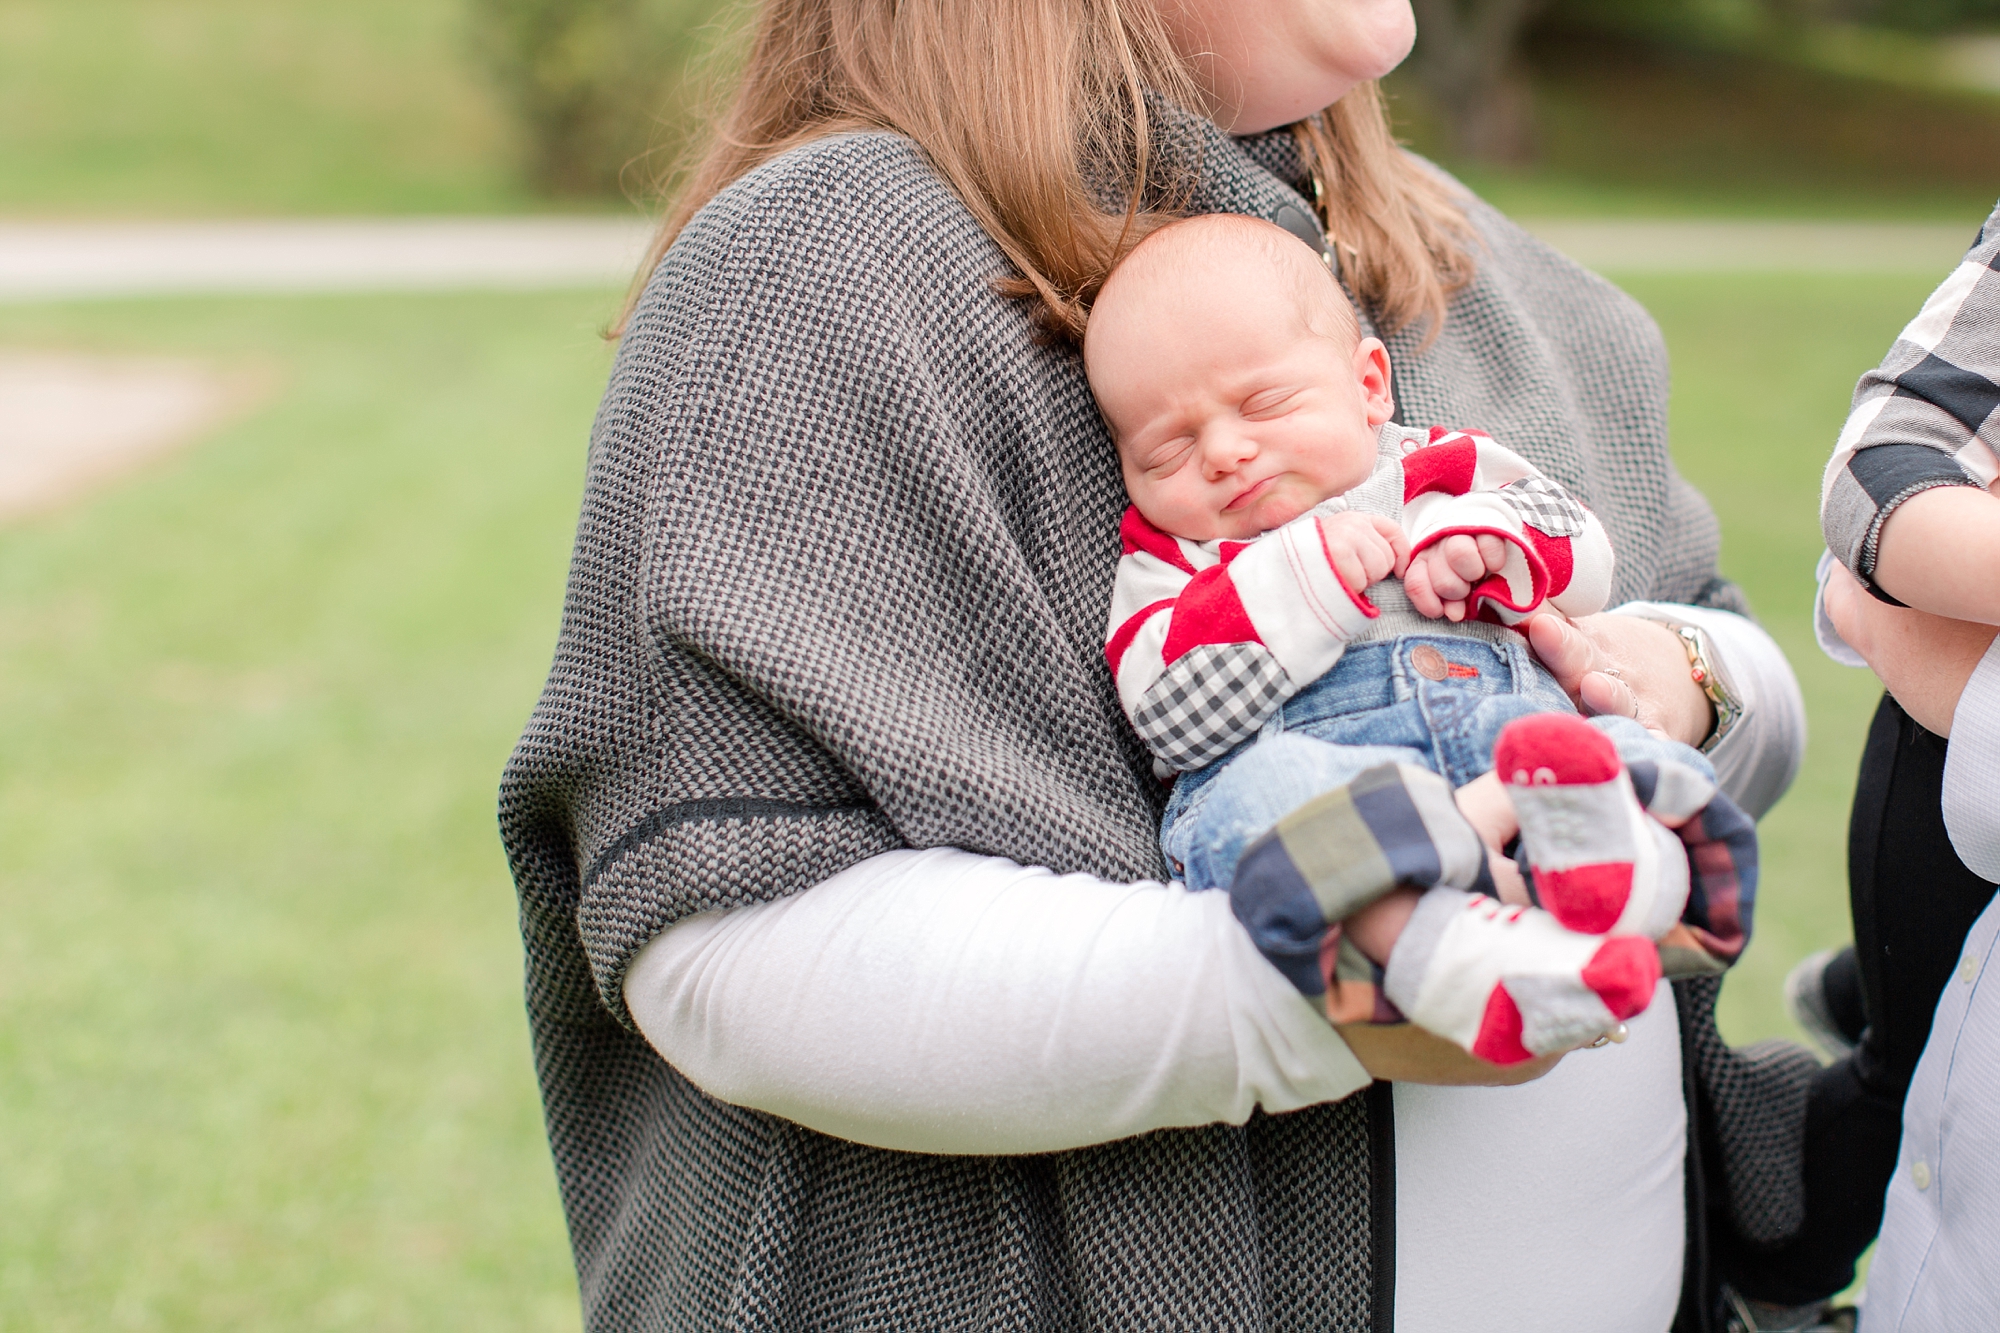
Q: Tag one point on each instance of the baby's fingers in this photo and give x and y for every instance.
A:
(1417, 586)
(1492, 553)
(1399, 542)
(1465, 556)
(1445, 581)
(1349, 565)
(1378, 556)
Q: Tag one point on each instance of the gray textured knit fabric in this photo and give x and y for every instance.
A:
(1756, 1105)
(839, 587)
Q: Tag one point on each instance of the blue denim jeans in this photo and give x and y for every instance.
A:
(1437, 701)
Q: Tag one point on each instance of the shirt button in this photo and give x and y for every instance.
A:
(1969, 969)
(1920, 1172)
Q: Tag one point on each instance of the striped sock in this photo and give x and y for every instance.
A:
(1597, 862)
(1508, 983)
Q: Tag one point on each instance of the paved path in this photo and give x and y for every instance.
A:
(1714, 246)
(51, 261)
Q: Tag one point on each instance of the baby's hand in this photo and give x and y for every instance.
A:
(1441, 577)
(1364, 548)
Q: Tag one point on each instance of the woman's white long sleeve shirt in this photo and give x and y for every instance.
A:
(939, 1001)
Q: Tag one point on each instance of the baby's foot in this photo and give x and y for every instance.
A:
(1508, 983)
(1600, 865)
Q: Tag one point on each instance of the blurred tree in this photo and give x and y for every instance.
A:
(603, 90)
(1466, 60)
(1924, 15)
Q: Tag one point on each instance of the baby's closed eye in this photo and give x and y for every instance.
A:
(1268, 403)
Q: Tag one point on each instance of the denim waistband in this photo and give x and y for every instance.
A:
(1385, 672)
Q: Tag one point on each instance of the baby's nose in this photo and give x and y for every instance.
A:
(1225, 450)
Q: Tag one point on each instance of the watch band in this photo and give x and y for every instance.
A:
(1701, 668)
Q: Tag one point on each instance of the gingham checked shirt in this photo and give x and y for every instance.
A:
(1928, 416)
(1207, 639)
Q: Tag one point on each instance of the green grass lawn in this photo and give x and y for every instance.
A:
(262, 1057)
(1763, 369)
(135, 107)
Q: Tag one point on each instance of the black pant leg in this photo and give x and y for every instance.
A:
(1913, 902)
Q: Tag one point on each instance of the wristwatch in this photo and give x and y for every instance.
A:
(1702, 668)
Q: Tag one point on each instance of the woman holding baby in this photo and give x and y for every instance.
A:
(858, 996)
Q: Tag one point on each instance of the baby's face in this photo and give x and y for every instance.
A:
(1231, 416)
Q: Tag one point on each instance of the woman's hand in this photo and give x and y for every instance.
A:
(1623, 665)
(1924, 660)
(1407, 1053)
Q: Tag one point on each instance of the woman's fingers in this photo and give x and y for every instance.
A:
(1563, 650)
(1624, 665)
(1600, 694)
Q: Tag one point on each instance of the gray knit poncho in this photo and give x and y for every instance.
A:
(839, 587)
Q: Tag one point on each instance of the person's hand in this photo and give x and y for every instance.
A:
(1406, 1053)
(1922, 659)
(1626, 666)
(1442, 576)
(1364, 548)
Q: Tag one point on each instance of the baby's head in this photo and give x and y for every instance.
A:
(1234, 378)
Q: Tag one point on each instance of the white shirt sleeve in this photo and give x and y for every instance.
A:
(1757, 760)
(1972, 770)
(1824, 633)
(939, 1001)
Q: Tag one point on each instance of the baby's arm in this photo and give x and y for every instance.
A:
(1903, 503)
(1205, 649)
(1488, 530)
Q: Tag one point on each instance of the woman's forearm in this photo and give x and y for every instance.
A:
(1627, 661)
(939, 1001)
(1757, 760)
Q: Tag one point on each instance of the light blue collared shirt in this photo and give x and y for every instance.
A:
(1937, 1265)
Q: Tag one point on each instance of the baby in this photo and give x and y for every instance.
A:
(1311, 627)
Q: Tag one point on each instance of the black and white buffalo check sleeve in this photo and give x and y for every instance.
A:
(1210, 701)
(1928, 416)
(1545, 506)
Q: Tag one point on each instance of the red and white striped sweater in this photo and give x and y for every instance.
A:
(1207, 639)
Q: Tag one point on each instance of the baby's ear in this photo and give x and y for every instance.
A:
(1371, 372)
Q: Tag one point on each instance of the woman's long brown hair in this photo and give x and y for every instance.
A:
(1014, 101)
